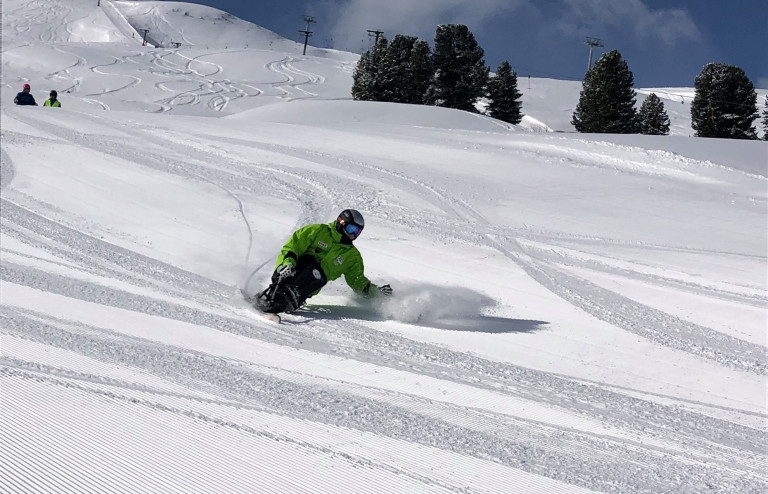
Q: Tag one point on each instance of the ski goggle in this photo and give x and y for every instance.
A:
(352, 230)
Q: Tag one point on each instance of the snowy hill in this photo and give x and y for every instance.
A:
(93, 56)
(572, 313)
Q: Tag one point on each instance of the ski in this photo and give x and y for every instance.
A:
(251, 299)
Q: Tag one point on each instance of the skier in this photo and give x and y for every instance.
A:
(52, 101)
(24, 97)
(314, 255)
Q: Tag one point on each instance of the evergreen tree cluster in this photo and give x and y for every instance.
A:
(454, 75)
(724, 104)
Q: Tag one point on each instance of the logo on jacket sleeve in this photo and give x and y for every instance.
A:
(339, 261)
(322, 244)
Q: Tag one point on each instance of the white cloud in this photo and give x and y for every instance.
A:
(411, 17)
(633, 16)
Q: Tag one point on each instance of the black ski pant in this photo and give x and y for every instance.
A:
(292, 293)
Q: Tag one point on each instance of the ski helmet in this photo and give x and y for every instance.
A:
(350, 223)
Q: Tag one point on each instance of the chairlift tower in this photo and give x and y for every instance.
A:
(308, 19)
(375, 33)
(592, 42)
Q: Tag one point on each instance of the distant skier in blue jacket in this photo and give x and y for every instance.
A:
(24, 98)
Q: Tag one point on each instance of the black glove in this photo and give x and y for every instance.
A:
(385, 290)
(285, 272)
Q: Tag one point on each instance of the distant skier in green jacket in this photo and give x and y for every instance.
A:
(52, 101)
(313, 256)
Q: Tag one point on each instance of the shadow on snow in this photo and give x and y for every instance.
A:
(447, 308)
(476, 324)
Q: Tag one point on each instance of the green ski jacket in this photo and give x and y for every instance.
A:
(323, 242)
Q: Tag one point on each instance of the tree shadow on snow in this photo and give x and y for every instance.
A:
(447, 308)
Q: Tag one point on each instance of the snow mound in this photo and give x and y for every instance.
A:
(199, 26)
(370, 113)
(57, 22)
(534, 125)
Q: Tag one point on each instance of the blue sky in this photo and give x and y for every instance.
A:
(665, 43)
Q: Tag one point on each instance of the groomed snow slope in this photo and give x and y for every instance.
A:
(572, 313)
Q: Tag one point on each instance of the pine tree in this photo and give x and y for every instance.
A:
(653, 117)
(421, 71)
(361, 79)
(395, 72)
(460, 72)
(503, 95)
(366, 81)
(607, 100)
(725, 104)
(765, 120)
(378, 54)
